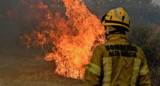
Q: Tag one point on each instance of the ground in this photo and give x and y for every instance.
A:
(29, 71)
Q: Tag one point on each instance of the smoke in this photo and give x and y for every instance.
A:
(20, 17)
(140, 11)
(156, 2)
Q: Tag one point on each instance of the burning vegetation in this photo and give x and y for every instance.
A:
(68, 40)
(67, 32)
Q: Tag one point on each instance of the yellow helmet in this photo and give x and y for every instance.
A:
(116, 17)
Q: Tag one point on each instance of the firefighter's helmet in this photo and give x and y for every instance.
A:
(116, 17)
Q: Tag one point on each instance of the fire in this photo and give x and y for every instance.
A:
(71, 38)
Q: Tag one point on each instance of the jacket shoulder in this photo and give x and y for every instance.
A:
(101, 46)
(138, 48)
(140, 52)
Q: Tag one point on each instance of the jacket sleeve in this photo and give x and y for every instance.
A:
(144, 79)
(93, 69)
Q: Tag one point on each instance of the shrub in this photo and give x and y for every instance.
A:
(148, 38)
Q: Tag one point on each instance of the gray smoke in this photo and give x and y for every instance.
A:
(19, 17)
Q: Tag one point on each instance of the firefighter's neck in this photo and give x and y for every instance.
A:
(116, 35)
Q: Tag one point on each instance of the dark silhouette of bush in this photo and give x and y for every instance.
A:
(148, 38)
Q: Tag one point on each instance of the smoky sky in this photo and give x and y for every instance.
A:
(140, 11)
(19, 17)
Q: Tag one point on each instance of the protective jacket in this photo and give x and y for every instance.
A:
(117, 63)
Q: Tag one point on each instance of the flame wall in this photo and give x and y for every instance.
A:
(72, 37)
(65, 30)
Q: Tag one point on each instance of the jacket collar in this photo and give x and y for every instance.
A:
(116, 36)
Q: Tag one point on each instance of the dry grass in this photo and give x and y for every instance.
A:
(155, 75)
(31, 72)
(37, 72)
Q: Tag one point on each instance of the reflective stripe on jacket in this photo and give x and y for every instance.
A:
(117, 63)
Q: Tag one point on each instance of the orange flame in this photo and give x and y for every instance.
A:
(72, 39)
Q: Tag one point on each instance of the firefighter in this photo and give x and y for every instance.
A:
(117, 62)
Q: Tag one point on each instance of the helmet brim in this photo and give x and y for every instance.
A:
(116, 24)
